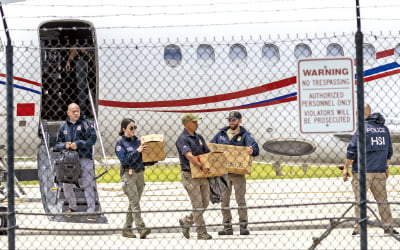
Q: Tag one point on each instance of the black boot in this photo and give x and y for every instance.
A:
(243, 228)
(227, 229)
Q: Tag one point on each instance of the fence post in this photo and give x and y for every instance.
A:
(361, 132)
(10, 136)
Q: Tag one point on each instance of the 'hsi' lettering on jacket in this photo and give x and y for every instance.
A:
(378, 140)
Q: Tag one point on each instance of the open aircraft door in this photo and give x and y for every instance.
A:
(60, 87)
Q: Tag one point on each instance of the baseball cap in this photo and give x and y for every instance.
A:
(189, 117)
(234, 114)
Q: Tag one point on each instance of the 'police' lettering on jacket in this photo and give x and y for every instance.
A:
(376, 130)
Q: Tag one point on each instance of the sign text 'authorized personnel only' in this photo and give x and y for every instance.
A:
(326, 95)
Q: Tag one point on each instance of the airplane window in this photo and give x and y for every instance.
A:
(334, 50)
(205, 53)
(302, 51)
(270, 53)
(237, 52)
(172, 55)
(397, 53)
(369, 54)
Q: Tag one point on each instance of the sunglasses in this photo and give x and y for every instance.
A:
(132, 128)
(232, 120)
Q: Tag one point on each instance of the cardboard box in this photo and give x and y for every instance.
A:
(215, 160)
(238, 161)
(155, 150)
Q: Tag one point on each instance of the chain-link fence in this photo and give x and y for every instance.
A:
(295, 196)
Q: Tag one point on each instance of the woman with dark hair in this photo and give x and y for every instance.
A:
(128, 149)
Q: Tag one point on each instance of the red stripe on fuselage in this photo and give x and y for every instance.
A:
(203, 100)
(289, 99)
(385, 74)
(24, 80)
(385, 53)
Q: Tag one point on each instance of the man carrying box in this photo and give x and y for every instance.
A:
(190, 144)
(234, 134)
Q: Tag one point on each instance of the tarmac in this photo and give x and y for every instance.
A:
(283, 214)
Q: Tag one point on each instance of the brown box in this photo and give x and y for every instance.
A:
(215, 160)
(155, 150)
(238, 161)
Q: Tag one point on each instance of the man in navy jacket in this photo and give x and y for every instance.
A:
(234, 134)
(79, 134)
(189, 145)
(378, 153)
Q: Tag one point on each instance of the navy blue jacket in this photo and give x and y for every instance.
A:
(378, 145)
(126, 150)
(188, 143)
(243, 138)
(81, 132)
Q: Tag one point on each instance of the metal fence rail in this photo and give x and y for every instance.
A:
(295, 195)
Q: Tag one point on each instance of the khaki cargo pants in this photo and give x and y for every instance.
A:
(376, 182)
(238, 182)
(133, 186)
(198, 190)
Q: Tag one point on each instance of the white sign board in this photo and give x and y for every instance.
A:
(10, 1)
(326, 95)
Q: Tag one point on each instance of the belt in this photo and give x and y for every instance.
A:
(135, 170)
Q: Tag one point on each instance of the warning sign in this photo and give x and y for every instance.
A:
(326, 95)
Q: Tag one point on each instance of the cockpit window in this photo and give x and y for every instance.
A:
(172, 55)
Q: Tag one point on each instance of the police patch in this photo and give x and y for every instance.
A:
(118, 148)
(65, 132)
(79, 127)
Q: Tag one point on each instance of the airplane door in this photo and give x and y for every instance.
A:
(67, 79)
(69, 68)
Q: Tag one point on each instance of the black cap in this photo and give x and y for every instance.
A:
(234, 114)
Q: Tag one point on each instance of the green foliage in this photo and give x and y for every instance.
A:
(163, 173)
(172, 173)
(266, 171)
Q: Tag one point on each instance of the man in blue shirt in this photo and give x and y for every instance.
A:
(234, 134)
(378, 153)
(190, 144)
